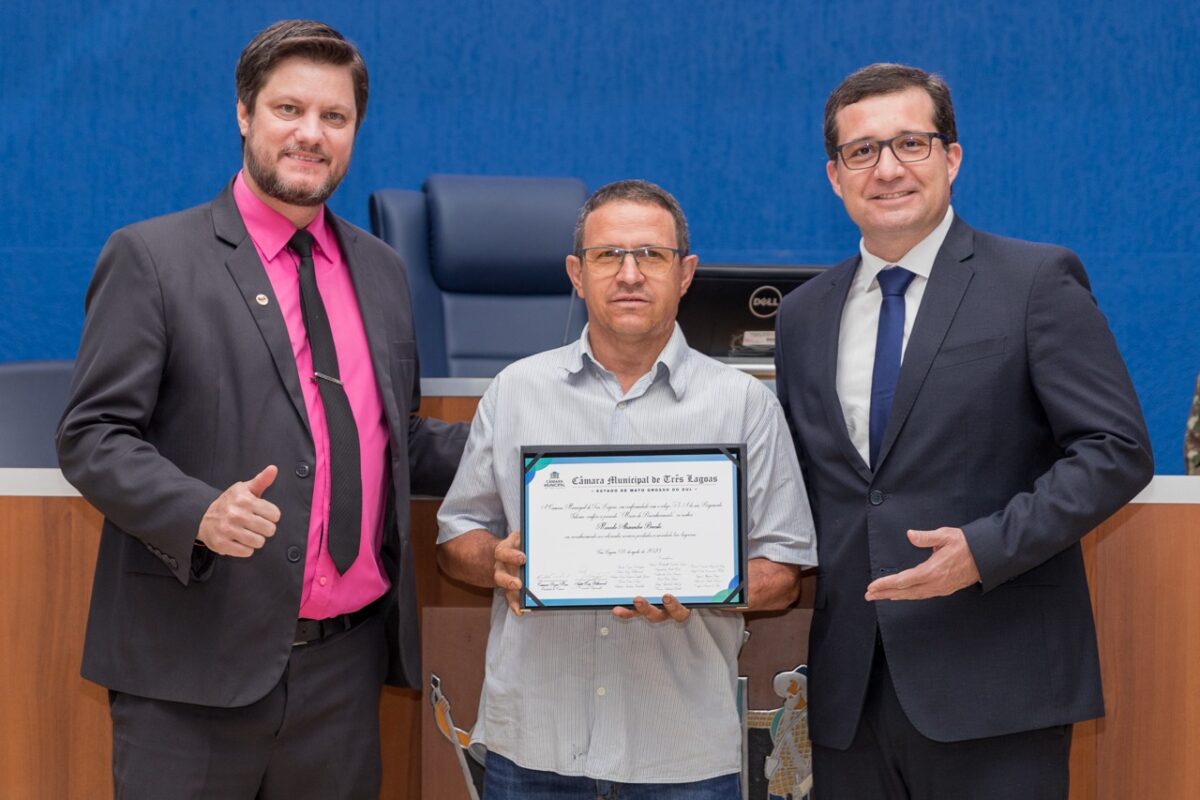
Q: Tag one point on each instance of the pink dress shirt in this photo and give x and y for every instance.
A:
(325, 592)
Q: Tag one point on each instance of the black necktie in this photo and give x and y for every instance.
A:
(345, 500)
(889, 339)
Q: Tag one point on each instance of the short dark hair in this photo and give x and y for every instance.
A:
(305, 38)
(877, 79)
(635, 191)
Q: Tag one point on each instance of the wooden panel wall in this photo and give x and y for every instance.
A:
(1147, 592)
(55, 739)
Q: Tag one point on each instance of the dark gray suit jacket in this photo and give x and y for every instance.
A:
(1014, 419)
(186, 383)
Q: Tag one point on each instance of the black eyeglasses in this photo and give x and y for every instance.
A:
(651, 260)
(907, 147)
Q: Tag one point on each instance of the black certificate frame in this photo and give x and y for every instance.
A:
(535, 458)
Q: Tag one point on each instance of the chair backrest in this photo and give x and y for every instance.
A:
(485, 258)
(33, 395)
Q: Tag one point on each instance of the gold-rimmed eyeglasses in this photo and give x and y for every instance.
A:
(652, 260)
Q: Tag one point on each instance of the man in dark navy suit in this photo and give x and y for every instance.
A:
(963, 417)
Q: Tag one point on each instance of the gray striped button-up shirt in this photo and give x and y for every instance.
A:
(582, 692)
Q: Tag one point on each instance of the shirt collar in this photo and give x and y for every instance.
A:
(919, 260)
(671, 361)
(270, 230)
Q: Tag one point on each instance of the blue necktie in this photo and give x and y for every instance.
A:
(893, 281)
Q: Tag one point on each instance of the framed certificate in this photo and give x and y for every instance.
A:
(603, 525)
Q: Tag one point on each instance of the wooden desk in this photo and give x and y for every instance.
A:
(55, 740)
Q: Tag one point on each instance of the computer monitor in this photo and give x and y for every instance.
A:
(729, 311)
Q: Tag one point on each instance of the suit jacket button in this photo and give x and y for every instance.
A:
(876, 497)
(174, 563)
(302, 470)
(293, 554)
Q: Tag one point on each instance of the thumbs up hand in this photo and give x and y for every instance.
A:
(239, 521)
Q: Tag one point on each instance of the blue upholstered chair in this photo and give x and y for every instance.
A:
(485, 258)
(33, 395)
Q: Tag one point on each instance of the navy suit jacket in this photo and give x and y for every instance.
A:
(1014, 419)
(185, 383)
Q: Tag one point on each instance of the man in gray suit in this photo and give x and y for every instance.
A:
(963, 417)
(243, 414)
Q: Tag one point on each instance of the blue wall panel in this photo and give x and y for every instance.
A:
(1079, 124)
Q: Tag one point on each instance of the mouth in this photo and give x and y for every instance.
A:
(304, 157)
(885, 196)
(629, 300)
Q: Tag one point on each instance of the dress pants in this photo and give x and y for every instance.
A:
(316, 734)
(889, 759)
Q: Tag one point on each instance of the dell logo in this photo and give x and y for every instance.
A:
(764, 301)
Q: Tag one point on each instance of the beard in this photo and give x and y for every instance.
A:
(268, 179)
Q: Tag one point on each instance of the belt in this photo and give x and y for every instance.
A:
(314, 630)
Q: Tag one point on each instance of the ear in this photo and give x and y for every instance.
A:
(687, 271)
(243, 117)
(832, 173)
(575, 273)
(954, 154)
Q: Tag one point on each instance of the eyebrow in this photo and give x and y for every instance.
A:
(296, 101)
(884, 138)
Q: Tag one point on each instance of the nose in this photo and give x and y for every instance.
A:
(629, 272)
(308, 128)
(889, 166)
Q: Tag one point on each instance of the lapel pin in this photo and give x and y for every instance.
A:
(262, 299)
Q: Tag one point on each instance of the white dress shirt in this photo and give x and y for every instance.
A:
(860, 325)
(581, 692)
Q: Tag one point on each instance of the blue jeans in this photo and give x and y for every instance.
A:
(504, 780)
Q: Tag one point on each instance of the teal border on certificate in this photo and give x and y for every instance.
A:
(535, 459)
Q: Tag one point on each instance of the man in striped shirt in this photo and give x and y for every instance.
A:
(641, 700)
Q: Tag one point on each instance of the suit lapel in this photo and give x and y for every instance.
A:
(248, 273)
(368, 289)
(829, 322)
(948, 282)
